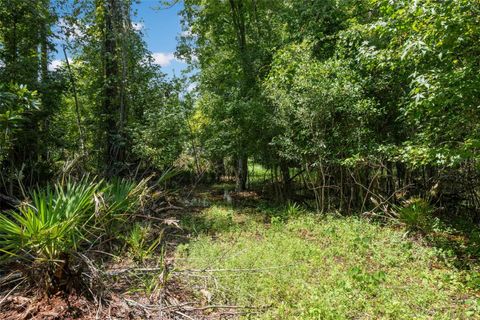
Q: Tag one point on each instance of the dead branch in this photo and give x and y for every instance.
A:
(132, 270)
(172, 207)
(216, 306)
(233, 270)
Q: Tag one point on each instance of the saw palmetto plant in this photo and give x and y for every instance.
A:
(46, 233)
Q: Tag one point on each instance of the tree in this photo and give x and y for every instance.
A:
(24, 56)
(230, 41)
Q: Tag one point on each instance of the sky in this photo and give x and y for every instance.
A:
(160, 29)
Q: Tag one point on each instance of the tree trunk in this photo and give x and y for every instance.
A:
(219, 168)
(248, 81)
(114, 146)
(81, 135)
(287, 183)
(242, 173)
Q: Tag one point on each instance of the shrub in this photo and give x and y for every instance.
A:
(142, 242)
(122, 196)
(51, 224)
(47, 232)
(416, 214)
(292, 210)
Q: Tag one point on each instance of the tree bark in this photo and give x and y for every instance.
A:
(238, 19)
(112, 102)
(242, 173)
(287, 182)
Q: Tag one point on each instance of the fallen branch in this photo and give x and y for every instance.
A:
(167, 221)
(10, 200)
(154, 307)
(175, 308)
(215, 306)
(10, 278)
(172, 207)
(10, 292)
(233, 270)
(184, 315)
(133, 270)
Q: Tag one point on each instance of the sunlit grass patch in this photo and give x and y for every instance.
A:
(257, 173)
(321, 268)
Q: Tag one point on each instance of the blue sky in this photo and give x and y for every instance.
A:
(160, 29)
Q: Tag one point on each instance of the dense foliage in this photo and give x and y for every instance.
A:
(361, 102)
(109, 122)
(105, 109)
(369, 101)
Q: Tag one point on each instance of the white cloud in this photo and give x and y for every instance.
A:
(138, 26)
(163, 58)
(73, 30)
(192, 86)
(187, 33)
(54, 65)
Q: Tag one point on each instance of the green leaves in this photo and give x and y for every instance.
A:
(16, 101)
(53, 223)
(433, 43)
(61, 219)
(317, 101)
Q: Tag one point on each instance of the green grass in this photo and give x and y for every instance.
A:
(309, 267)
(257, 173)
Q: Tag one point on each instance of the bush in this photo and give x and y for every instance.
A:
(291, 210)
(124, 196)
(46, 233)
(51, 224)
(142, 242)
(416, 214)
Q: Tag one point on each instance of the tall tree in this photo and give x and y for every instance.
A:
(113, 102)
(25, 54)
(232, 41)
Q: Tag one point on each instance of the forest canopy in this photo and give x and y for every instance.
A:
(346, 94)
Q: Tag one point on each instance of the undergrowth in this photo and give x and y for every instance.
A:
(312, 267)
(47, 236)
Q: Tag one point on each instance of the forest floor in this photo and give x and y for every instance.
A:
(246, 258)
